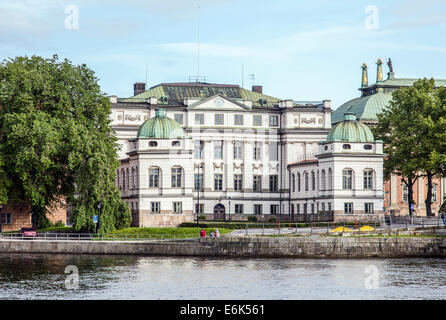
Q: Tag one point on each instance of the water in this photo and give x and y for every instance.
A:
(36, 276)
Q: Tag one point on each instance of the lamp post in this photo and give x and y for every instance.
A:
(99, 215)
(229, 209)
(198, 194)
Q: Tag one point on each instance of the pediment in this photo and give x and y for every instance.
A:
(220, 102)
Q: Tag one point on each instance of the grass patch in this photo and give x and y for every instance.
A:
(167, 233)
(56, 229)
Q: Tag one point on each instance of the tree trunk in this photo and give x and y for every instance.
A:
(410, 183)
(428, 201)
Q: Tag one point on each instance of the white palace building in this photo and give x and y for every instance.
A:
(226, 152)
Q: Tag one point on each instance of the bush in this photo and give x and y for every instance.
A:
(59, 224)
(252, 219)
(202, 217)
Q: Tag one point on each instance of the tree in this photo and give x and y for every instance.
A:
(413, 129)
(56, 142)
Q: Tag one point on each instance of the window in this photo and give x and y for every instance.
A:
(132, 186)
(238, 180)
(313, 181)
(346, 146)
(6, 218)
(405, 193)
(273, 183)
(155, 207)
(219, 119)
(312, 208)
(330, 179)
(218, 182)
(177, 177)
(274, 121)
(238, 119)
(257, 120)
(274, 209)
(198, 178)
(239, 209)
(154, 178)
(273, 152)
(297, 208)
(368, 179)
(434, 192)
(257, 209)
(178, 117)
(323, 182)
(200, 208)
(347, 179)
(305, 208)
(368, 208)
(238, 150)
(306, 181)
(218, 149)
(176, 143)
(368, 147)
(123, 179)
(153, 144)
(348, 207)
(177, 207)
(257, 183)
(323, 207)
(199, 118)
(257, 152)
(298, 182)
(293, 182)
(198, 149)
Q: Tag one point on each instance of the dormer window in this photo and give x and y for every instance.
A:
(346, 146)
(153, 144)
(368, 147)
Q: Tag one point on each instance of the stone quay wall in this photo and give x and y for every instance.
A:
(297, 247)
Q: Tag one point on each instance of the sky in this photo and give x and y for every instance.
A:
(300, 50)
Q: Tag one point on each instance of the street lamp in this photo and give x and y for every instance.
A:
(198, 185)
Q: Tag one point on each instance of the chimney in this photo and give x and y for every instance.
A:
(257, 89)
(139, 87)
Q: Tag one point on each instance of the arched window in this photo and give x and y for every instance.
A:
(368, 179)
(128, 178)
(123, 179)
(298, 182)
(330, 179)
(313, 181)
(347, 179)
(177, 177)
(306, 181)
(154, 177)
(294, 182)
(323, 180)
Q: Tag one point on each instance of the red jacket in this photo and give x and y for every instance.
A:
(203, 233)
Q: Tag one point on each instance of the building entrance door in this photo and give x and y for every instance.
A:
(219, 212)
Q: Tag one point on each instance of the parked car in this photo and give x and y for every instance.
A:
(28, 232)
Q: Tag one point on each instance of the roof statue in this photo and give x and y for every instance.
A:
(389, 64)
(365, 78)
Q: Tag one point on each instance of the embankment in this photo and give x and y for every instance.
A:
(298, 247)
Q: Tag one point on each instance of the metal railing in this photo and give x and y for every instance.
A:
(95, 237)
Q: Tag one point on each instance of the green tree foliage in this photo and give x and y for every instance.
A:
(413, 129)
(56, 142)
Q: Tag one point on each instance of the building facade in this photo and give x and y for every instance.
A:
(374, 98)
(345, 176)
(242, 142)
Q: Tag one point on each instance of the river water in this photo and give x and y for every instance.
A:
(36, 276)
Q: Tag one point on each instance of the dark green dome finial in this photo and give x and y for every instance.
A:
(160, 127)
(350, 130)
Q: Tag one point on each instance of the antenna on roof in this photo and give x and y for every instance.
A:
(198, 74)
(251, 77)
(243, 74)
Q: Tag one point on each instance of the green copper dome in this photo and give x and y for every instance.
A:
(350, 130)
(160, 127)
